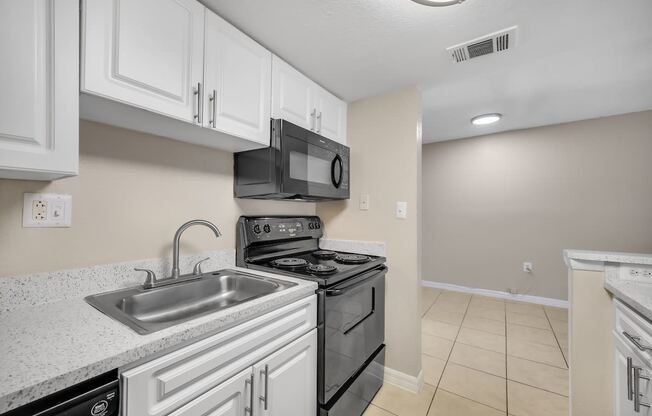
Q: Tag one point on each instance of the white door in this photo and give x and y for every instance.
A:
(292, 95)
(147, 53)
(237, 74)
(227, 399)
(286, 381)
(39, 108)
(331, 116)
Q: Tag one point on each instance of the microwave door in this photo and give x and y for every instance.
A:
(311, 170)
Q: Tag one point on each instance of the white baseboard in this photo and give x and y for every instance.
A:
(497, 294)
(404, 381)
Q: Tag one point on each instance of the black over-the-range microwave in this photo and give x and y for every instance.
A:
(298, 165)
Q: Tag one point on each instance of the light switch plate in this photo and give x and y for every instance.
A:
(47, 210)
(364, 202)
(401, 209)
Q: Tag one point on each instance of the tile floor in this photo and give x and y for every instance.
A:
(483, 357)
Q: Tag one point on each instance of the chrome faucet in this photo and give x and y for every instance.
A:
(176, 276)
(175, 245)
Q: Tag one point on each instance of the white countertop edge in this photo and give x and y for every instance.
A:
(20, 393)
(594, 260)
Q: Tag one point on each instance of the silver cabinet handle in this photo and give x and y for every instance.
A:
(319, 124)
(313, 122)
(250, 382)
(637, 394)
(212, 104)
(266, 372)
(630, 369)
(637, 341)
(200, 103)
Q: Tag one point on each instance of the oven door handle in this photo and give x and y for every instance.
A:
(341, 291)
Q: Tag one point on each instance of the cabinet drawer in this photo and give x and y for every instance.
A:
(164, 384)
(626, 321)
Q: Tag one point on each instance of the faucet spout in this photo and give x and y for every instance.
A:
(177, 237)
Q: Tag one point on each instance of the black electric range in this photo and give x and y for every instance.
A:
(350, 304)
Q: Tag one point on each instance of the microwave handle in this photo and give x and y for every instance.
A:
(337, 181)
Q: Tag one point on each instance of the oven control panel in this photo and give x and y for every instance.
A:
(281, 228)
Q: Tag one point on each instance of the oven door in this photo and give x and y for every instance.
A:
(353, 328)
(313, 166)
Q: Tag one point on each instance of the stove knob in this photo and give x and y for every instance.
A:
(267, 228)
(317, 225)
(311, 226)
(257, 229)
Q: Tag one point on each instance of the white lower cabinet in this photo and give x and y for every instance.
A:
(286, 381)
(271, 359)
(632, 366)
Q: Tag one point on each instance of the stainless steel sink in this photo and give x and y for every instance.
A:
(150, 310)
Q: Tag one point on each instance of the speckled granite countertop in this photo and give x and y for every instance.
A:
(633, 290)
(45, 348)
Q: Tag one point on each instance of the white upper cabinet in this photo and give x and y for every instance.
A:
(292, 95)
(147, 53)
(237, 75)
(301, 101)
(331, 116)
(39, 120)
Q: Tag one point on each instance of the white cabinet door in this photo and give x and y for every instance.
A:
(228, 399)
(331, 116)
(624, 383)
(286, 381)
(292, 95)
(39, 119)
(147, 53)
(237, 75)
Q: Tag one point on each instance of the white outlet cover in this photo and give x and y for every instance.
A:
(401, 209)
(58, 213)
(364, 202)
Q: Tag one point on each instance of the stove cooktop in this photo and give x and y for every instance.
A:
(324, 266)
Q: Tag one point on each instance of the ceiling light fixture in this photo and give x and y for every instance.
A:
(483, 119)
(438, 3)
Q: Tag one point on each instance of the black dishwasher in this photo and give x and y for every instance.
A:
(99, 396)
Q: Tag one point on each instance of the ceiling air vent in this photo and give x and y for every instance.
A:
(500, 41)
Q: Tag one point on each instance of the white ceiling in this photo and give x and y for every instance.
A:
(576, 59)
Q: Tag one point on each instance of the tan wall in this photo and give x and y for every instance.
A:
(494, 202)
(384, 135)
(132, 193)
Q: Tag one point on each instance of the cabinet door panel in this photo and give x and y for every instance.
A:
(39, 82)
(228, 399)
(331, 112)
(290, 387)
(238, 72)
(148, 53)
(292, 95)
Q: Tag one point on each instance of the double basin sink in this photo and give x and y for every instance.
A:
(150, 310)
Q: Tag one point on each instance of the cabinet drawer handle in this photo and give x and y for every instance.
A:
(630, 369)
(313, 122)
(637, 341)
(266, 373)
(250, 382)
(200, 103)
(212, 103)
(637, 394)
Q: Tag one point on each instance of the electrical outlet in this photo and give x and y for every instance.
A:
(47, 210)
(527, 267)
(401, 209)
(364, 202)
(639, 272)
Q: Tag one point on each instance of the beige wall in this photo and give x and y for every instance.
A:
(493, 202)
(132, 193)
(384, 135)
